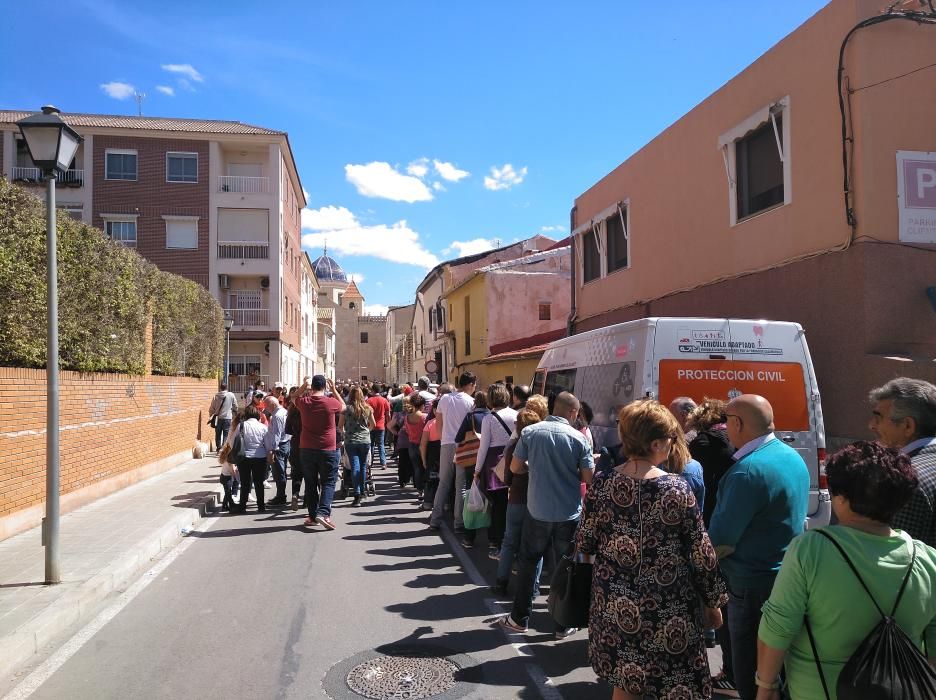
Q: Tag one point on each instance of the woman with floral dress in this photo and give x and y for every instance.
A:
(655, 584)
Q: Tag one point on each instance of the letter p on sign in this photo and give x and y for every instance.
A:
(925, 179)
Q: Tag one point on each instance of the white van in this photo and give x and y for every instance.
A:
(664, 358)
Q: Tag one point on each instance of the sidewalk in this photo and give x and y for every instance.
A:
(104, 546)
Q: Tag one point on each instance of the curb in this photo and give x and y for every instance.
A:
(81, 603)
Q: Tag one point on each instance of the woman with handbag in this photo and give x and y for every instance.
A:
(250, 455)
(655, 581)
(414, 423)
(496, 428)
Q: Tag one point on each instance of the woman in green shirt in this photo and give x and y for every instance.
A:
(869, 483)
(357, 421)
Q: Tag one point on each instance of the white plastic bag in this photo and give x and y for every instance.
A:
(477, 503)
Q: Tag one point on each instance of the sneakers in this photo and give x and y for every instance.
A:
(499, 588)
(277, 501)
(466, 543)
(494, 553)
(356, 503)
(325, 522)
(566, 632)
(508, 623)
(295, 503)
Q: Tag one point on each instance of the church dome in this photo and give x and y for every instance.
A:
(327, 269)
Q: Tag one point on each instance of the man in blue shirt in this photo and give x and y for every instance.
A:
(558, 459)
(761, 507)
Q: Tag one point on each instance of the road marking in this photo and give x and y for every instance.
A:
(544, 683)
(47, 668)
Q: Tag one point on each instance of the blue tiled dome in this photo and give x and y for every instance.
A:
(327, 269)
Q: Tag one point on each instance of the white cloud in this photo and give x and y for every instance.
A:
(438, 187)
(184, 69)
(552, 229)
(166, 90)
(305, 193)
(328, 219)
(418, 168)
(118, 90)
(356, 276)
(504, 178)
(379, 179)
(448, 171)
(472, 247)
(376, 309)
(345, 235)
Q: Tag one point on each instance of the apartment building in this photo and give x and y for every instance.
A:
(310, 362)
(215, 201)
(737, 209)
(503, 315)
(399, 344)
(433, 345)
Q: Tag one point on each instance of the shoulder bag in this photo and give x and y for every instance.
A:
(500, 469)
(466, 453)
(570, 593)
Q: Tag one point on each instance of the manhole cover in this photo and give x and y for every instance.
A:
(403, 677)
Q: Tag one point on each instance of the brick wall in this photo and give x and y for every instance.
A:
(150, 197)
(115, 430)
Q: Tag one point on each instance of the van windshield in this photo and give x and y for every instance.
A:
(557, 382)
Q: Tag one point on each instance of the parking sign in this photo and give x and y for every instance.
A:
(916, 196)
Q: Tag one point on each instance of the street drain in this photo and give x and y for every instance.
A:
(403, 677)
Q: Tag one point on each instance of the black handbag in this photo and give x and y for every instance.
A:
(570, 593)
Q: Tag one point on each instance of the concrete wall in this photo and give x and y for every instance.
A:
(115, 430)
(514, 298)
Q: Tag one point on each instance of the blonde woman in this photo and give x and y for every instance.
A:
(656, 584)
(357, 420)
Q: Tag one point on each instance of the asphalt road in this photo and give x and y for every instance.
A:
(260, 607)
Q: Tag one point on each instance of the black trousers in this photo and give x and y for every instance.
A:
(226, 480)
(252, 470)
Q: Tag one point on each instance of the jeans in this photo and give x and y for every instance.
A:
(449, 474)
(252, 471)
(510, 545)
(744, 614)
(358, 452)
(226, 480)
(320, 470)
(222, 427)
(377, 440)
(534, 541)
(419, 469)
(280, 459)
(295, 469)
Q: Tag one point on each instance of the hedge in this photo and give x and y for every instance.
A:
(107, 295)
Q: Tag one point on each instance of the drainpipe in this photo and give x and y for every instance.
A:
(570, 324)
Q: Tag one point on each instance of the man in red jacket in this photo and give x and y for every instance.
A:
(381, 408)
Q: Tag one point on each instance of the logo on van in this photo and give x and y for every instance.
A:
(707, 342)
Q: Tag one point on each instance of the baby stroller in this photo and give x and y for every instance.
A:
(346, 487)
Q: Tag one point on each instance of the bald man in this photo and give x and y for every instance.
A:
(761, 506)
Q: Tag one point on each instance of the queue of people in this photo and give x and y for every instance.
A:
(694, 526)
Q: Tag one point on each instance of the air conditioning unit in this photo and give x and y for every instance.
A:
(225, 281)
(265, 282)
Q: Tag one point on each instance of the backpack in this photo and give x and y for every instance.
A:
(887, 665)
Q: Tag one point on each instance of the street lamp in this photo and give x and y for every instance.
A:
(52, 145)
(228, 325)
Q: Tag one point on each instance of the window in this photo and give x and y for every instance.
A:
(617, 240)
(352, 305)
(364, 337)
(759, 170)
(545, 311)
(181, 167)
(120, 165)
(123, 232)
(182, 232)
(757, 161)
(591, 261)
(508, 379)
(245, 365)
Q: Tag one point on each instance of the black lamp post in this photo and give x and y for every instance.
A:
(228, 325)
(52, 145)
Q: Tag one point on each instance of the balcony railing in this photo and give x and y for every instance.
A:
(70, 178)
(27, 175)
(244, 250)
(249, 317)
(243, 184)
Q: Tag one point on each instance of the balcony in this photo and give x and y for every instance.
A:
(70, 178)
(244, 250)
(240, 383)
(249, 317)
(243, 184)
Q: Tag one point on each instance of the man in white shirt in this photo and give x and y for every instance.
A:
(450, 413)
(424, 389)
(277, 443)
(222, 408)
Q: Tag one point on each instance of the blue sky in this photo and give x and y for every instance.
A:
(422, 130)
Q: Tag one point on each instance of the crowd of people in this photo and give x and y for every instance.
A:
(694, 524)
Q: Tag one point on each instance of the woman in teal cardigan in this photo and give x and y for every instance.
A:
(869, 483)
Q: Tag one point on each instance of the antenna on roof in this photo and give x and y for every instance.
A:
(497, 242)
(325, 249)
(139, 97)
